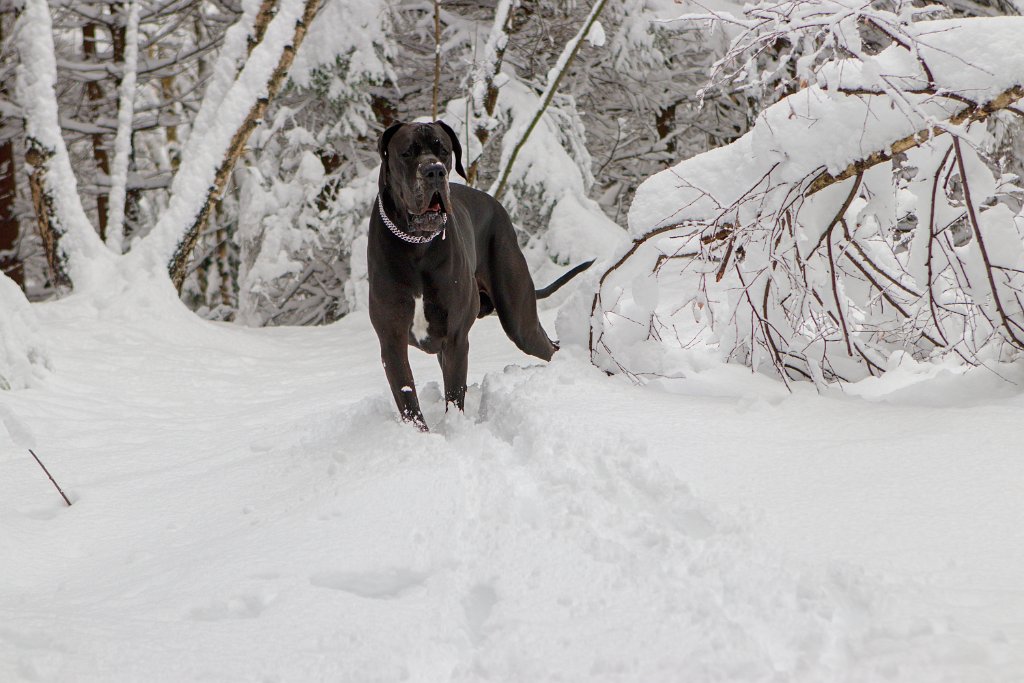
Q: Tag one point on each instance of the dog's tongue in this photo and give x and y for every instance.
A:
(436, 206)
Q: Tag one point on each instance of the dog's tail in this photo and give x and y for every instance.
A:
(557, 284)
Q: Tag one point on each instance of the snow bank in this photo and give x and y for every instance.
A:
(247, 506)
(24, 359)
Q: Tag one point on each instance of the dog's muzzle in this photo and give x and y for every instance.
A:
(435, 199)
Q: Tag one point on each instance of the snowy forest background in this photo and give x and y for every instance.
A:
(777, 443)
(198, 138)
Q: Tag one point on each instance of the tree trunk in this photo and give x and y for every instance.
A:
(64, 227)
(664, 123)
(485, 92)
(38, 158)
(437, 59)
(126, 54)
(94, 92)
(10, 264)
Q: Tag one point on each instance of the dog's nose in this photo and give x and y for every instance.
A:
(434, 172)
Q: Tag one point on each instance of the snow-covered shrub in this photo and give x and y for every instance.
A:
(857, 219)
(23, 356)
(298, 231)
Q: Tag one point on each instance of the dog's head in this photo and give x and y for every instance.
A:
(415, 160)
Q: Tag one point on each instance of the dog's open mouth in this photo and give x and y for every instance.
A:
(432, 218)
(435, 203)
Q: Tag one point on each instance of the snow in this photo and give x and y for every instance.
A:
(578, 230)
(246, 506)
(978, 58)
(23, 355)
(351, 30)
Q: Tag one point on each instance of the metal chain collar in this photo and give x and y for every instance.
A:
(423, 239)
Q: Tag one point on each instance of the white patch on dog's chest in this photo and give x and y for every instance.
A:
(419, 321)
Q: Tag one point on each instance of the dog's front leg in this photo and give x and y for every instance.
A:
(394, 353)
(454, 368)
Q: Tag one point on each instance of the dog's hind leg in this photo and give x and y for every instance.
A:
(532, 339)
(517, 311)
(510, 287)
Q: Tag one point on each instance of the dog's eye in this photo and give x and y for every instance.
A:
(407, 153)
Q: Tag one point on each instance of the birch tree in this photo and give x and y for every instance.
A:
(252, 66)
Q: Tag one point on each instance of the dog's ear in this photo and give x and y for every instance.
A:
(382, 149)
(456, 147)
(385, 139)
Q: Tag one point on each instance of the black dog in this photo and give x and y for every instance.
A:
(439, 257)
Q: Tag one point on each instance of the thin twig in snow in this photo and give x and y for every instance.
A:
(52, 480)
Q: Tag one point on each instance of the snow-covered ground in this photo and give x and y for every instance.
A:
(247, 507)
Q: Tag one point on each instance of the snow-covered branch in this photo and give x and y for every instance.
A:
(232, 109)
(857, 219)
(484, 88)
(123, 140)
(554, 78)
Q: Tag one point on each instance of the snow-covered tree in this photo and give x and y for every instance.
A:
(311, 176)
(250, 68)
(858, 220)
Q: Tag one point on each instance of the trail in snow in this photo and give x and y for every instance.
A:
(248, 508)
